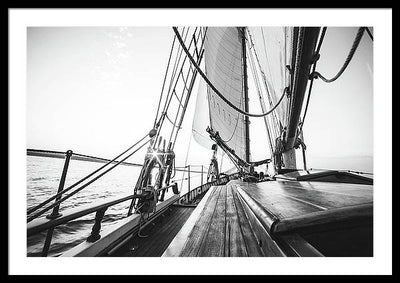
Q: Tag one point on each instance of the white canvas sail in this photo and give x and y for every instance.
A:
(201, 119)
(274, 47)
(223, 67)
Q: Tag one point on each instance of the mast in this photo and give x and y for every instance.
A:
(304, 53)
(246, 96)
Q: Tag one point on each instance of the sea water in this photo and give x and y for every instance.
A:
(43, 176)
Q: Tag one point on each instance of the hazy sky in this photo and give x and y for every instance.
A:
(95, 90)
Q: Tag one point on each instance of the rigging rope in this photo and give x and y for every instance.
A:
(266, 57)
(84, 178)
(172, 123)
(82, 187)
(193, 73)
(348, 59)
(169, 96)
(233, 132)
(216, 90)
(277, 123)
(173, 83)
(369, 33)
(312, 78)
(258, 87)
(163, 85)
(186, 159)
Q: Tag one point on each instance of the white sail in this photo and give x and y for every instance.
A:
(223, 67)
(201, 119)
(274, 47)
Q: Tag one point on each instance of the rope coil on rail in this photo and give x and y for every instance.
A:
(216, 90)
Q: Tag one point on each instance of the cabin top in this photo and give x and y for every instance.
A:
(338, 176)
(246, 219)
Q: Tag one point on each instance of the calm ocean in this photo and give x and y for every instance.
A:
(43, 175)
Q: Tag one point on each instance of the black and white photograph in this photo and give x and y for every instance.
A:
(200, 141)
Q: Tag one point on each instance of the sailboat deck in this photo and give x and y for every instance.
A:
(219, 228)
(286, 199)
(238, 219)
(157, 236)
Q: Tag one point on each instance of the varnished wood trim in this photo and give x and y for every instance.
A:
(298, 246)
(264, 240)
(322, 217)
(265, 217)
(178, 243)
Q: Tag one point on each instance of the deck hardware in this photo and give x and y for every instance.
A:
(175, 188)
(95, 235)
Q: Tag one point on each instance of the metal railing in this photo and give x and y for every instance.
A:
(36, 225)
(56, 218)
(50, 223)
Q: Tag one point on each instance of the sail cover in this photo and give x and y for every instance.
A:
(223, 67)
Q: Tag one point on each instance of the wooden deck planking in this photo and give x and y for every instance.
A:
(235, 243)
(200, 228)
(226, 225)
(222, 228)
(213, 244)
(250, 240)
(159, 236)
(166, 231)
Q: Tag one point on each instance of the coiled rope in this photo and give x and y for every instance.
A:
(348, 59)
(216, 90)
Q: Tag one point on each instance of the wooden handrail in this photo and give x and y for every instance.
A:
(353, 212)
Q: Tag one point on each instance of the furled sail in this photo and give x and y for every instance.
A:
(223, 67)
